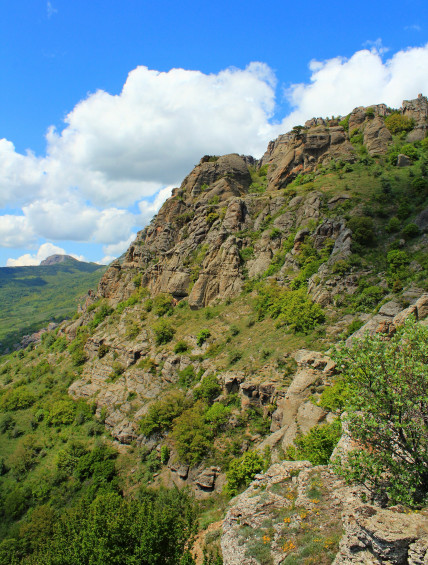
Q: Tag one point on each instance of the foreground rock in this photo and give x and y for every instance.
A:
(295, 510)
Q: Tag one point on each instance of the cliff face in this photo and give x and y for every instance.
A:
(224, 198)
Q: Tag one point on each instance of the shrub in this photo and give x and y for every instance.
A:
(387, 413)
(61, 413)
(162, 304)
(242, 471)
(101, 314)
(362, 228)
(217, 416)
(187, 376)
(369, 297)
(317, 445)
(202, 337)
(164, 454)
(164, 332)
(407, 150)
(16, 399)
(161, 413)
(393, 225)
(410, 231)
(292, 308)
(397, 123)
(193, 436)
(208, 390)
(181, 347)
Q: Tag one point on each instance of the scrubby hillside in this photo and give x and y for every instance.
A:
(209, 342)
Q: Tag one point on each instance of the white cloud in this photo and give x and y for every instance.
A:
(45, 250)
(73, 220)
(115, 249)
(15, 231)
(338, 85)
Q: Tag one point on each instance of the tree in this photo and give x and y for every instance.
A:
(387, 409)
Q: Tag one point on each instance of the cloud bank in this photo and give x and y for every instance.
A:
(105, 174)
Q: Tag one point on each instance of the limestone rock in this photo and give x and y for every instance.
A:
(375, 535)
(377, 137)
(403, 161)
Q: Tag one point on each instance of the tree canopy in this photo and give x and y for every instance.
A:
(387, 382)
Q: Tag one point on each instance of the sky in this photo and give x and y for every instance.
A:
(105, 106)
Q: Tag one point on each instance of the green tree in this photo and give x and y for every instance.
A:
(243, 470)
(387, 410)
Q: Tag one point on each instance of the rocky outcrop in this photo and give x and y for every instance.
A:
(376, 535)
(270, 521)
(300, 151)
(377, 137)
(417, 110)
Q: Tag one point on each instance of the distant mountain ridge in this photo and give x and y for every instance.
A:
(57, 258)
(33, 296)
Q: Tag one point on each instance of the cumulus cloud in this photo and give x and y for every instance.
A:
(45, 250)
(338, 85)
(15, 231)
(104, 174)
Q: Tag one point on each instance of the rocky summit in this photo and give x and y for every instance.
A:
(210, 342)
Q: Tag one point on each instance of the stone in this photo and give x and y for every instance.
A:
(403, 161)
(206, 480)
(377, 137)
(421, 220)
(376, 535)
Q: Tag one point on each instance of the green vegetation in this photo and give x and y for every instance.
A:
(317, 445)
(243, 470)
(397, 123)
(31, 297)
(291, 308)
(387, 408)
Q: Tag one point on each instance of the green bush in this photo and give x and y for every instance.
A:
(164, 332)
(101, 314)
(407, 149)
(317, 445)
(157, 527)
(208, 390)
(202, 337)
(393, 225)
(362, 228)
(387, 413)
(161, 413)
(369, 297)
(17, 399)
(397, 123)
(292, 308)
(242, 471)
(61, 413)
(410, 231)
(192, 435)
(164, 455)
(217, 416)
(163, 304)
(187, 376)
(181, 347)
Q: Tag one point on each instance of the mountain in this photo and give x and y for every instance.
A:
(54, 259)
(204, 356)
(32, 297)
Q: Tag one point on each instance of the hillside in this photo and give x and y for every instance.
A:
(204, 356)
(32, 297)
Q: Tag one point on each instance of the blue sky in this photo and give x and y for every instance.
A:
(96, 126)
